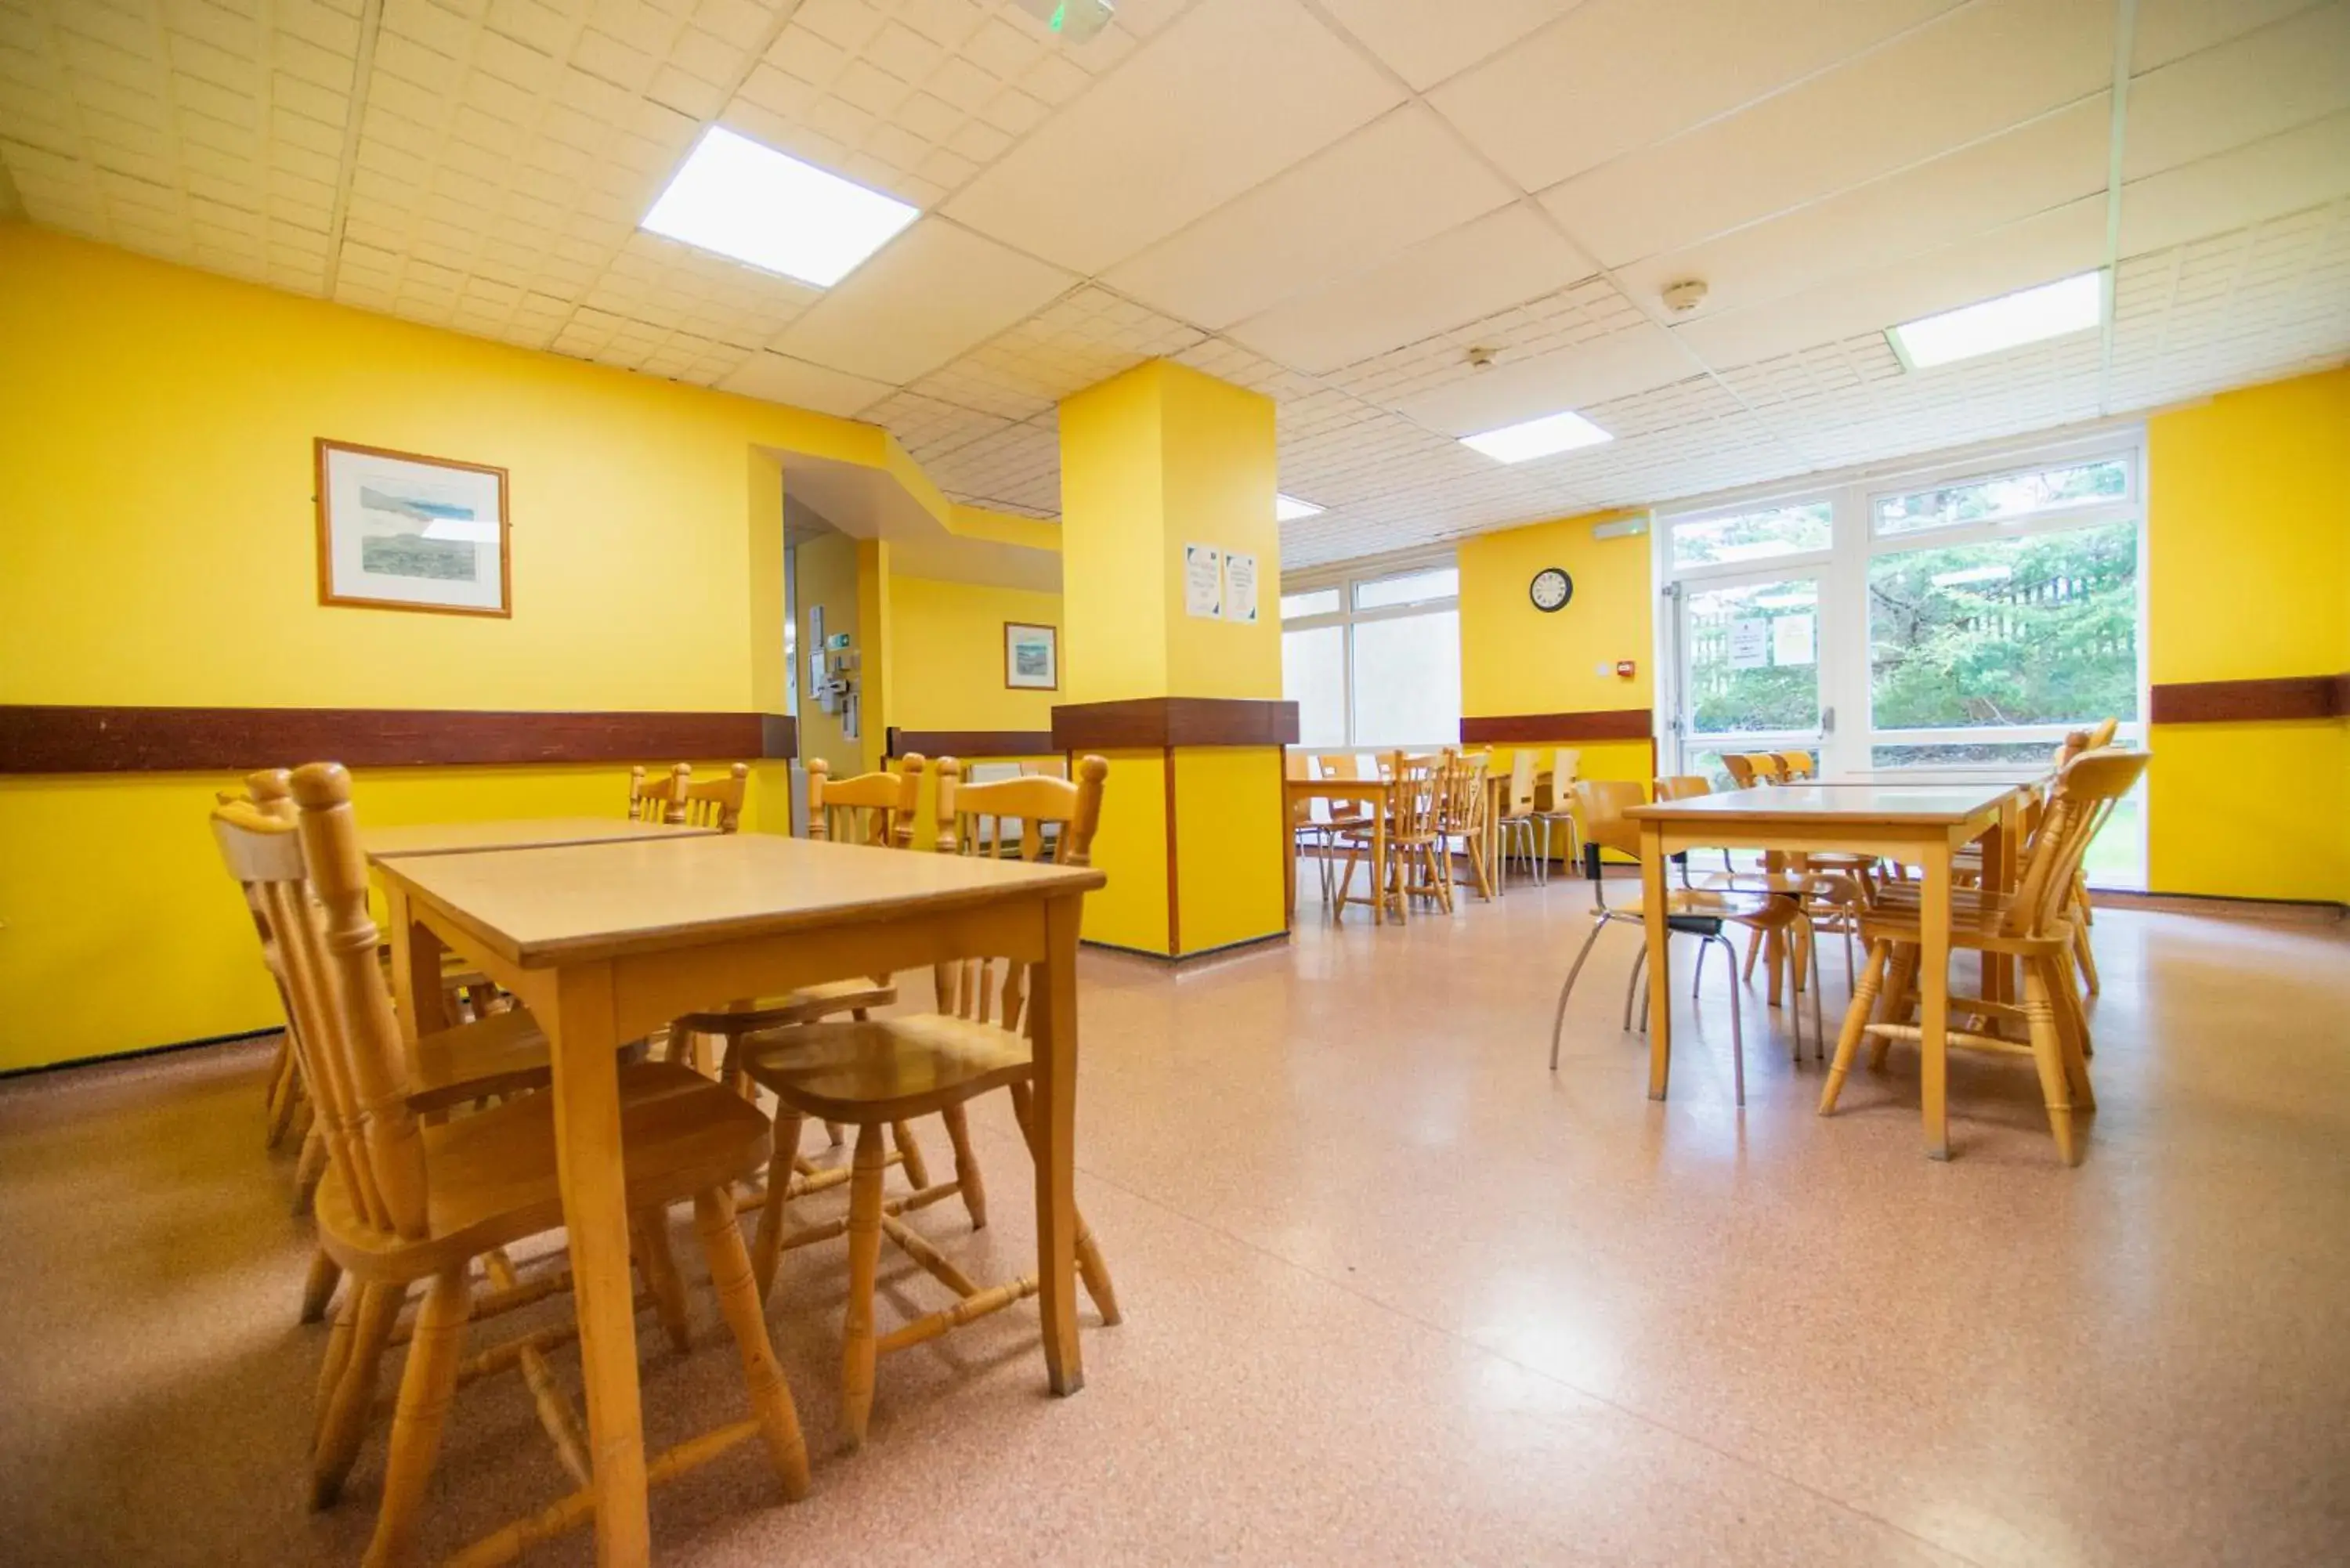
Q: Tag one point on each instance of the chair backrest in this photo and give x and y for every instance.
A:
(2103, 734)
(1058, 768)
(1740, 767)
(1340, 765)
(1418, 807)
(712, 803)
(1599, 808)
(1465, 795)
(973, 819)
(870, 808)
(653, 795)
(1523, 767)
(1565, 767)
(1682, 786)
(2084, 796)
(1794, 765)
(308, 881)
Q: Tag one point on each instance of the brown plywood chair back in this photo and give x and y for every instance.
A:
(1739, 766)
(875, 809)
(1683, 786)
(1599, 808)
(306, 879)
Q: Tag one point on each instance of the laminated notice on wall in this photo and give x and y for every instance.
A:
(1790, 640)
(1204, 581)
(1239, 587)
(1749, 643)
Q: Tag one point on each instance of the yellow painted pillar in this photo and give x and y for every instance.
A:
(1158, 466)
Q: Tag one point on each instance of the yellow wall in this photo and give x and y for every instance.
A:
(825, 577)
(2247, 578)
(946, 655)
(159, 548)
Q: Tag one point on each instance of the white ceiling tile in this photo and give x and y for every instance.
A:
(2171, 29)
(936, 292)
(1311, 223)
(2260, 83)
(1860, 120)
(1424, 43)
(1613, 74)
(2300, 168)
(2045, 247)
(1634, 359)
(1496, 260)
(779, 378)
(1231, 94)
(2049, 163)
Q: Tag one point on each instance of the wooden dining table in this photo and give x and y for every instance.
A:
(606, 941)
(514, 833)
(1919, 824)
(1376, 794)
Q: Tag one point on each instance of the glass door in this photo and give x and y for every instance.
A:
(1749, 668)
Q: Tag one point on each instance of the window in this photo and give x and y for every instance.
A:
(1952, 614)
(1372, 657)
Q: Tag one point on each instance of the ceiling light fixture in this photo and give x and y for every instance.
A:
(749, 201)
(1289, 509)
(2069, 305)
(1537, 438)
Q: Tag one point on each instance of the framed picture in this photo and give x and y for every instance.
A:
(397, 531)
(1032, 657)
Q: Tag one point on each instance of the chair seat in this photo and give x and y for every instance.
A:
(1779, 884)
(804, 1006)
(887, 1069)
(503, 1054)
(491, 1175)
(1707, 903)
(1976, 922)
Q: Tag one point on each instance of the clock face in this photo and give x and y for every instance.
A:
(1550, 590)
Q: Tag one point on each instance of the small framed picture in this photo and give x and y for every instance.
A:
(397, 531)
(1032, 657)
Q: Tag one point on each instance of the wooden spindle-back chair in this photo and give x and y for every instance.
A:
(2036, 924)
(1467, 800)
(653, 795)
(711, 802)
(976, 1041)
(405, 1202)
(876, 808)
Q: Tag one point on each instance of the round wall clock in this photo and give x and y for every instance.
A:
(1550, 590)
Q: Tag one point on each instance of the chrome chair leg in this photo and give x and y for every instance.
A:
(1737, 1026)
(1558, 1022)
(1698, 981)
(1819, 1030)
(1632, 988)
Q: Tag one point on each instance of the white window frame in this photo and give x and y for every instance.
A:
(1843, 572)
(1345, 577)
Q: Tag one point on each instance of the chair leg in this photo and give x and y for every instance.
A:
(2084, 955)
(319, 1288)
(425, 1391)
(343, 1421)
(2072, 1029)
(968, 1180)
(834, 1131)
(770, 1244)
(2048, 1055)
(284, 1088)
(910, 1153)
(1558, 1021)
(1892, 1007)
(1855, 1020)
(1091, 1269)
(1753, 951)
(738, 1302)
(1697, 980)
(1632, 988)
(659, 1263)
(1737, 1028)
(1819, 1027)
(859, 1349)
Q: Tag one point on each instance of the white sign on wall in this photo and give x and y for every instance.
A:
(1749, 643)
(1204, 581)
(1239, 587)
(1790, 640)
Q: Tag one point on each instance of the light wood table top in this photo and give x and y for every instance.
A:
(1962, 776)
(514, 833)
(1839, 803)
(606, 941)
(537, 907)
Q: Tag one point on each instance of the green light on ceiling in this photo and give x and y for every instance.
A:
(1060, 14)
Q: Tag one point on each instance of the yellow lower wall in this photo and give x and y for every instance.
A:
(1231, 832)
(124, 932)
(2249, 810)
(1131, 849)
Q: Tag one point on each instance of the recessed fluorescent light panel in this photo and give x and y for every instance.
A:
(2029, 316)
(1289, 509)
(755, 205)
(1538, 437)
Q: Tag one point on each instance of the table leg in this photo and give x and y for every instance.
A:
(2000, 850)
(1774, 945)
(1054, 1011)
(584, 1051)
(1934, 999)
(1660, 936)
(1380, 861)
(416, 952)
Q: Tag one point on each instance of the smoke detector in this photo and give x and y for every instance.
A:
(1481, 356)
(1686, 296)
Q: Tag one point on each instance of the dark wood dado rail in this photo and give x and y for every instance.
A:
(2239, 701)
(1145, 724)
(1537, 729)
(42, 740)
(961, 745)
